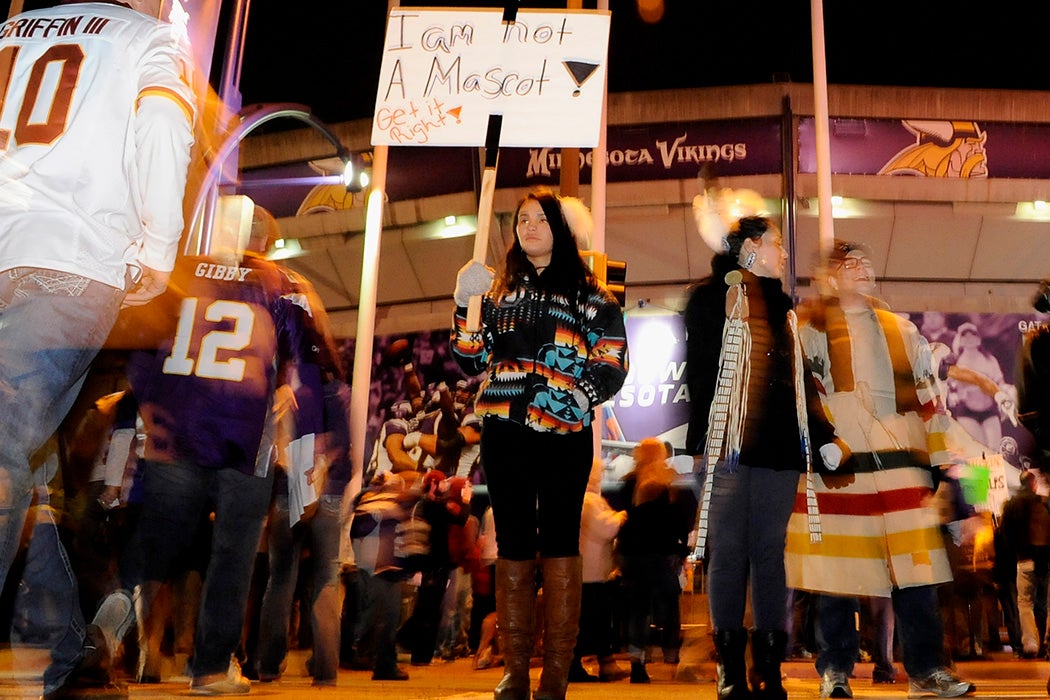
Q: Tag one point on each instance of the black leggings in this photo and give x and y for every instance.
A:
(536, 483)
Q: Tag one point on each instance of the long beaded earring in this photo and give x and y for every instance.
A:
(749, 260)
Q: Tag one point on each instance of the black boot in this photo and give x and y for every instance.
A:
(767, 651)
(731, 645)
(578, 674)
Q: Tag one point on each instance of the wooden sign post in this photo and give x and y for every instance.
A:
(488, 191)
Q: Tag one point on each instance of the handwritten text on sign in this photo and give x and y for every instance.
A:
(445, 71)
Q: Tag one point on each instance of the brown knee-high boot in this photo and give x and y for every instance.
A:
(562, 586)
(515, 610)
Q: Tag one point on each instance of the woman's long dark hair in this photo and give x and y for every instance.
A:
(566, 273)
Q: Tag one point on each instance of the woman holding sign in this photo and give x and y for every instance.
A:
(553, 343)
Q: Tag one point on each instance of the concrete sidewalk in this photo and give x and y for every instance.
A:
(1001, 677)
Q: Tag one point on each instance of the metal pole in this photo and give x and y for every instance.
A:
(787, 158)
(229, 90)
(366, 318)
(823, 138)
(598, 187)
(569, 179)
(598, 165)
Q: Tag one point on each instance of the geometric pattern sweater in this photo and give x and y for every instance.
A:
(549, 360)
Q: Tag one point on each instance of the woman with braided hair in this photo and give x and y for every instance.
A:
(748, 433)
(553, 343)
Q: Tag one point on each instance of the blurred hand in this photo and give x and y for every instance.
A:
(473, 279)
(832, 456)
(109, 498)
(152, 283)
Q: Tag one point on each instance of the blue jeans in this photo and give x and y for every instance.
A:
(174, 500)
(285, 545)
(47, 607)
(883, 624)
(919, 629)
(747, 534)
(52, 325)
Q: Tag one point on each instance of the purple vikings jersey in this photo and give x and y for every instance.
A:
(205, 393)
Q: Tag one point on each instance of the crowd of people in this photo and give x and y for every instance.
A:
(206, 495)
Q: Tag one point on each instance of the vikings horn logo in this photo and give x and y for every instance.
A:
(941, 149)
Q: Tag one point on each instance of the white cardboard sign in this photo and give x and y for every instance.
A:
(445, 71)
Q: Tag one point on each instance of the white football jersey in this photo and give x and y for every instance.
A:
(96, 126)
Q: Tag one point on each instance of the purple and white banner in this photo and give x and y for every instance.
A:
(654, 401)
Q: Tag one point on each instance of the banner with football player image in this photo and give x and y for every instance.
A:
(420, 405)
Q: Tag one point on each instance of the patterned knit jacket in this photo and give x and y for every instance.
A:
(545, 354)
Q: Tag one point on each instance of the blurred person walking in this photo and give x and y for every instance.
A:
(881, 536)
(1026, 526)
(226, 342)
(552, 340)
(96, 130)
(652, 544)
(318, 533)
(600, 524)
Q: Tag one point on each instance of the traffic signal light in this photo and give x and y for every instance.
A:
(616, 278)
(611, 273)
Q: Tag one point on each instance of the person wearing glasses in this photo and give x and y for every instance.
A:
(879, 535)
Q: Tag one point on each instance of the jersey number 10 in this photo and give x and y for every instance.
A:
(69, 57)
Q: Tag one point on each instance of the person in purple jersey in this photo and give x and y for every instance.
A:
(231, 332)
(317, 532)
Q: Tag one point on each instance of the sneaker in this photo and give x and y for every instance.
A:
(835, 684)
(230, 683)
(941, 683)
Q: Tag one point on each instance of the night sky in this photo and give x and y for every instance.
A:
(333, 55)
(326, 53)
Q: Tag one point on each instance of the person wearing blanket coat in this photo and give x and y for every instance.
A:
(880, 535)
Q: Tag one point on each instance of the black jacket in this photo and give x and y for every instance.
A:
(771, 433)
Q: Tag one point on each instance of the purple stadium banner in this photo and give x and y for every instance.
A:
(677, 150)
(666, 151)
(930, 148)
